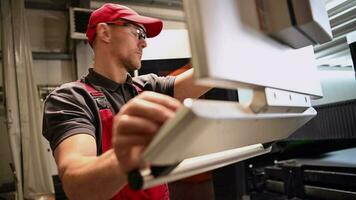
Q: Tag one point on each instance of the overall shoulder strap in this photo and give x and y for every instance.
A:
(157, 193)
(106, 116)
(138, 88)
(98, 96)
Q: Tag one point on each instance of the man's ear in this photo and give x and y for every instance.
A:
(103, 32)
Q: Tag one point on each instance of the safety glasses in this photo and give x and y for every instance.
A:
(139, 33)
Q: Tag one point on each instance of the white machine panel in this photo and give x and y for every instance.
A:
(229, 51)
(205, 126)
(169, 44)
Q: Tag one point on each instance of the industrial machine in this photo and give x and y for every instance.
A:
(240, 44)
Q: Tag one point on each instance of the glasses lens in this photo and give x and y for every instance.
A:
(141, 33)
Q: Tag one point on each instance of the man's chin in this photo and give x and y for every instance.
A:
(133, 68)
(136, 68)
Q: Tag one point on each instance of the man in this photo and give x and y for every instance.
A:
(72, 121)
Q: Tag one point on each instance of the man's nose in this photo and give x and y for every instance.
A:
(142, 43)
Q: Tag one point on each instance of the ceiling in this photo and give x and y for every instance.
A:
(65, 4)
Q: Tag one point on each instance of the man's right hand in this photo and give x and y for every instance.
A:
(136, 124)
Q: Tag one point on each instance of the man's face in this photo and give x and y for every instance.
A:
(128, 41)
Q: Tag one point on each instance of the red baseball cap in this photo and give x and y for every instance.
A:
(110, 12)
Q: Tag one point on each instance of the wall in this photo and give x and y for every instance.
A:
(48, 34)
(52, 72)
(5, 154)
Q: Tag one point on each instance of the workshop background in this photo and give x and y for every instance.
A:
(43, 45)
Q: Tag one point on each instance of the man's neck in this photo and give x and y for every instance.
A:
(110, 70)
(114, 75)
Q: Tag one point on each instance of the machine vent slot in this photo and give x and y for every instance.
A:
(79, 18)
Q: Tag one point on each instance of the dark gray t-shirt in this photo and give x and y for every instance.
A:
(70, 109)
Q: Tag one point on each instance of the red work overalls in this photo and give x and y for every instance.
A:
(106, 117)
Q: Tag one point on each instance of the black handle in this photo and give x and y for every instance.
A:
(136, 180)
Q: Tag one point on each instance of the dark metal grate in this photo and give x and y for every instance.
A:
(81, 19)
(334, 121)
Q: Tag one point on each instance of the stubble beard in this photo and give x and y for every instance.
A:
(132, 65)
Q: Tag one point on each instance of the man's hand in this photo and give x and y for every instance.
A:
(136, 124)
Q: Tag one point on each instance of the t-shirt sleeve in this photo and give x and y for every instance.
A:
(152, 82)
(68, 111)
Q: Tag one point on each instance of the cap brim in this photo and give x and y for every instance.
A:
(153, 26)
